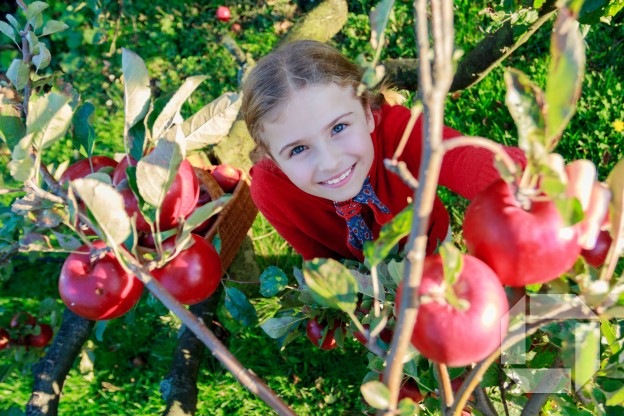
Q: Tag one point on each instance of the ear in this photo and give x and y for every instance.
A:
(370, 120)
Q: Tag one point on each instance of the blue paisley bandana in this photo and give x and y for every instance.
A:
(351, 211)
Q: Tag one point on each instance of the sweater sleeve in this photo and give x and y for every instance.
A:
(465, 170)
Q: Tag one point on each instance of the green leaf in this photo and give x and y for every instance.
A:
(18, 73)
(587, 353)
(278, 327)
(167, 115)
(372, 76)
(609, 332)
(42, 59)
(33, 42)
(565, 76)
(453, 263)
(615, 398)
(331, 284)
(272, 281)
(201, 214)
(7, 30)
(376, 394)
(48, 119)
(526, 105)
(13, 22)
(239, 307)
(407, 407)
(211, 123)
(67, 241)
(100, 327)
(22, 166)
(34, 9)
(53, 26)
(156, 171)
(136, 87)
(365, 285)
(570, 210)
(396, 269)
(12, 128)
(83, 130)
(597, 11)
(379, 20)
(107, 207)
(391, 233)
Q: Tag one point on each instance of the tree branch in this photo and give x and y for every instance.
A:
(179, 387)
(493, 49)
(50, 372)
(483, 402)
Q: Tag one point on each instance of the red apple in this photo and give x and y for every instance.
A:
(223, 13)
(194, 274)
(451, 335)
(597, 255)
(523, 245)
(227, 177)
(85, 167)
(42, 339)
(4, 339)
(99, 288)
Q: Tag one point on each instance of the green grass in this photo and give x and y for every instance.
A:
(180, 39)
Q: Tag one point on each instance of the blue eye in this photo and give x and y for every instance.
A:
(338, 128)
(296, 150)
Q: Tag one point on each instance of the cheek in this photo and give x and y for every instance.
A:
(298, 172)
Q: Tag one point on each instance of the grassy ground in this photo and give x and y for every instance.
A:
(179, 39)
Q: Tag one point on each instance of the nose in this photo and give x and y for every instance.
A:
(329, 157)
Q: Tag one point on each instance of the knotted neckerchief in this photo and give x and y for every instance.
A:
(351, 211)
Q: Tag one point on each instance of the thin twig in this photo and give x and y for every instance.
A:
(446, 390)
(414, 114)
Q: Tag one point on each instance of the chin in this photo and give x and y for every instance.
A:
(347, 193)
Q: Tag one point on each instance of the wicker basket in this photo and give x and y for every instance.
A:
(235, 218)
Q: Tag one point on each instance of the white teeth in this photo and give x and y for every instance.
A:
(341, 178)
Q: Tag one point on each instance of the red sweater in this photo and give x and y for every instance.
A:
(312, 226)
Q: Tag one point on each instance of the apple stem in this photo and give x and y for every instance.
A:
(455, 301)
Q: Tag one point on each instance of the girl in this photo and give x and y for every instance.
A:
(320, 179)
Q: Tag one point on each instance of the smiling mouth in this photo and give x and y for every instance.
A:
(340, 178)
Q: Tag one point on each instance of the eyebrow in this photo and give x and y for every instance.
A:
(330, 124)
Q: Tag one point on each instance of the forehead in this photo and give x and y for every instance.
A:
(314, 101)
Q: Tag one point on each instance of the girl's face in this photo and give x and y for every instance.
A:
(321, 141)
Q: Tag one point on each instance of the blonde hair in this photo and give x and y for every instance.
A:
(291, 67)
